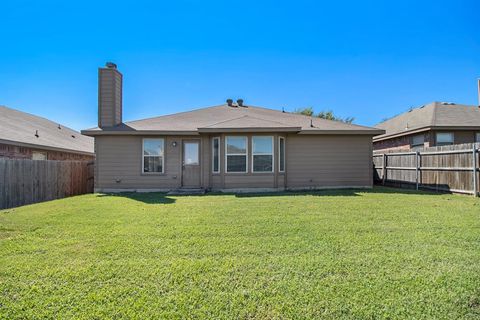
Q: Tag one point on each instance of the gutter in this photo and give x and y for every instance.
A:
(44, 147)
(427, 128)
(93, 133)
(298, 130)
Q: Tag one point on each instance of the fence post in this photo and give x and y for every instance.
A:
(474, 162)
(384, 168)
(417, 167)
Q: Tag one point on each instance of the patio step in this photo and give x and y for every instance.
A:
(186, 191)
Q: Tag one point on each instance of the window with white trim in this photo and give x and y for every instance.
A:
(262, 153)
(153, 155)
(444, 138)
(236, 154)
(281, 154)
(216, 155)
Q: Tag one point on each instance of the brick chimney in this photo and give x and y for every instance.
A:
(109, 96)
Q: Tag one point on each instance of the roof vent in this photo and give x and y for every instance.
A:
(73, 136)
(240, 103)
(448, 103)
(59, 127)
(230, 102)
(111, 65)
(36, 133)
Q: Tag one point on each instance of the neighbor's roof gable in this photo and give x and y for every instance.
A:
(433, 115)
(223, 118)
(18, 127)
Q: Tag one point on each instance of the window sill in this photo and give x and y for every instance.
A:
(250, 173)
(153, 174)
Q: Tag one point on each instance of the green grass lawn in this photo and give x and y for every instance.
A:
(353, 254)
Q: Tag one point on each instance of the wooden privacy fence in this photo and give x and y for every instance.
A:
(24, 181)
(452, 168)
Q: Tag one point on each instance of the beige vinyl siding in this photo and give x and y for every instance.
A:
(328, 161)
(216, 181)
(120, 157)
(249, 181)
(311, 161)
(281, 180)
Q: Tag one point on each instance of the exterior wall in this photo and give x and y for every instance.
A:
(404, 142)
(20, 152)
(119, 163)
(109, 97)
(311, 162)
(329, 161)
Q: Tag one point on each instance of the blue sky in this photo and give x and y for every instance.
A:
(366, 59)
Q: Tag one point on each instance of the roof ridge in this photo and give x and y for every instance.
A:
(269, 120)
(213, 124)
(434, 113)
(248, 116)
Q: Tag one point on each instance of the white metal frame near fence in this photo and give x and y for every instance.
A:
(418, 168)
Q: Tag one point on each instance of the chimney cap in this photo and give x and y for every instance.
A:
(240, 102)
(111, 65)
(230, 102)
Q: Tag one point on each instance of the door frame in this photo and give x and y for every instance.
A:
(182, 165)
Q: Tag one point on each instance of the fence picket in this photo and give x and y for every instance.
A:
(25, 181)
(447, 168)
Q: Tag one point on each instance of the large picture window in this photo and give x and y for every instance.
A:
(444, 138)
(236, 154)
(216, 155)
(262, 153)
(153, 158)
(281, 154)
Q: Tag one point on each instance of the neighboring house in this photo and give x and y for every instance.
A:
(25, 136)
(232, 146)
(434, 124)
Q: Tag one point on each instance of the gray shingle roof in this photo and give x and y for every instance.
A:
(432, 115)
(20, 127)
(224, 118)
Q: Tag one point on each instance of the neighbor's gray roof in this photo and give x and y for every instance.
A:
(223, 118)
(19, 128)
(435, 115)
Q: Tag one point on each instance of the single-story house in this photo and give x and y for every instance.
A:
(232, 146)
(26, 136)
(434, 124)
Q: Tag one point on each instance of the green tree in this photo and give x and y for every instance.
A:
(308, 111)
(326, 114)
